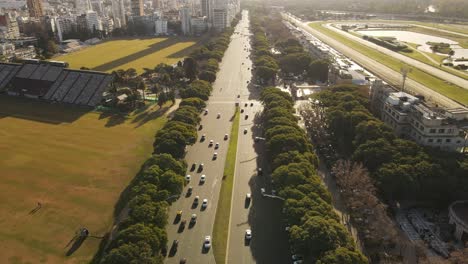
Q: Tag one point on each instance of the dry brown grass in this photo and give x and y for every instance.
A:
(75, 163)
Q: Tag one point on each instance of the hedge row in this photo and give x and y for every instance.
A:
(315, 231)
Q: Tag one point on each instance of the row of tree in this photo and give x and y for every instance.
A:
(342, 127)
(315, 230)
(141, 237)
(290, 59)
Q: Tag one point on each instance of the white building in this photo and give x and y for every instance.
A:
(118, 12)
(220, 19)
(185, 20)
(412, 118)
(160, 27)
(64, 25)
(107, 24)
(93, 21)
(199, 25)
(8, 27)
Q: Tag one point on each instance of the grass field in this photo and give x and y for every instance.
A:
(130, 53)
(76, 163)
(451, 91)
(221, 225)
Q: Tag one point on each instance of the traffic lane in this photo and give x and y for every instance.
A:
(271, 244)
(191, 239)
(246, 166)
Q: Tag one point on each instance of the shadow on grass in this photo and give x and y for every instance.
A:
(147, 116)
(40, 111)
(137, 55)
(114, 118)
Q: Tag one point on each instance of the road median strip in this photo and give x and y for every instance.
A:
(221, 225)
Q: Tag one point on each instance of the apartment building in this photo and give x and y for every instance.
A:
(413, 118)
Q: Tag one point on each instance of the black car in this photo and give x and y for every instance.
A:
(194, 166)
(259, 171)
(174, 247)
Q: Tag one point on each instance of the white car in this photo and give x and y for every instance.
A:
(248, 196)
(203, 178)
(206, 111)
(207, 242)
(211, 143)
(215, 155)
(217, 145)
(204, 203)
(226, 136)
(188, 177)
(248, 234)
(218, 116)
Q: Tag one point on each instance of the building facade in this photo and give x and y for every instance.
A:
(199, 25)
(220, 19)
(35, 8)
(137, 7)
(412, 118)
(160, 27)
(8, 27)
(185, 20)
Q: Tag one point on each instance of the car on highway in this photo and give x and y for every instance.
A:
(189, 190)
(248, 234)
(204, 203)
(242, 110)
(174, 247)
(226, 136)
(245, 130)
(207, 242)
(200, 167)
(193, 219)
(246, 116)
(217, 145)
(200, 127)
(203, 179)
(206, 111)
(215, 155)
(203, 137)
(259, 172)
(246, 104)
(211, 143)
(218, 115)
(194, 166)
(188, 177)
(251, 104)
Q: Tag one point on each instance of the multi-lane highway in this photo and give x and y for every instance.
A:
(231, 80)
(378, 68)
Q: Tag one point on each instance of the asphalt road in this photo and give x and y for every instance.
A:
(410, 61)
(231, 80)
(379, 69)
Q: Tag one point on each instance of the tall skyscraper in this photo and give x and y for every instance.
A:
(137, 7)
(118, 12)
(35, 8)
(205, 7)
(185, 19)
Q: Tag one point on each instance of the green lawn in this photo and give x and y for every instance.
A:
(130, 53)
(221, 225)
(452, 91)
(76, 163)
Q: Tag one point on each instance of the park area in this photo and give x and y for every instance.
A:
(63, 168)
(130, 53)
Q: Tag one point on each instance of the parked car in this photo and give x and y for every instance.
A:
(248, 196)
(200, 167)
(246, 117)
(211, 143)
(203, 137)
(193, 219)
(174, 247)
(218, 116)
(245, 130)
(194, 166)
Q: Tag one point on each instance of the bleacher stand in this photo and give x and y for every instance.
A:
(54, 82)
